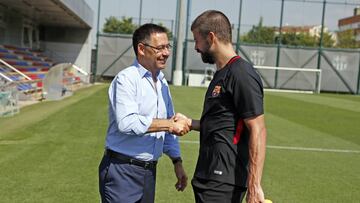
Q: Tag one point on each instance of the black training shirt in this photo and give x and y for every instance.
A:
(234, 94)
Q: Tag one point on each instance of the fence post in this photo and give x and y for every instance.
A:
(185, 41)
(321, 39)
(358, 83)
(97, 45)
(279, 43)
(238, 31)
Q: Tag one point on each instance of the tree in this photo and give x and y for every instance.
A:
(305, 39)
(346, 39)
(259, 34)
(300, 39)
(327, 40)
(169, 33)
(114, 25)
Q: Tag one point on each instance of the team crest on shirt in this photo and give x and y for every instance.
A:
(216, 91)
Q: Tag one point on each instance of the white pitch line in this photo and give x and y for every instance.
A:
(294, 148)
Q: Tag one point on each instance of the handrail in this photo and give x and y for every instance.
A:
(7, 78)
(80, 70)
(14, 69)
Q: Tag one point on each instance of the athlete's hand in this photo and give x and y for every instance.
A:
(181, 177)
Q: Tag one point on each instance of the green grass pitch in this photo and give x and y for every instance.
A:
(50, 151)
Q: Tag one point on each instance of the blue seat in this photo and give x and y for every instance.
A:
(21, 63)
(4, 50)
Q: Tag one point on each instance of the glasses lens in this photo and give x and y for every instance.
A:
(159, 48)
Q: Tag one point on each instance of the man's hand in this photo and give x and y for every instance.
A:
(180, 116)
(255, 194)
(257, 149)
(181, 125)
(181, 177)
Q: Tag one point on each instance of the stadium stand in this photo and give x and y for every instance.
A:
(40, 41)
(28, 69)
(25, 67)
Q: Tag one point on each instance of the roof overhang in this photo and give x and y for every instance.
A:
(65, 13)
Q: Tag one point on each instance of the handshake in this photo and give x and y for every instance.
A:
(180, 124)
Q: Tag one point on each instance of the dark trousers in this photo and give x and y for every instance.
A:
(125, 183)
(214, 192)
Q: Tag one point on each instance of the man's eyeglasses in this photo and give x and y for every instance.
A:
(160, 48)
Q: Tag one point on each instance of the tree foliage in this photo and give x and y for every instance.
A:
(327, 40)
(305, 39)
(123, 26)
(259, 34)
(169, 33)
(346, 39)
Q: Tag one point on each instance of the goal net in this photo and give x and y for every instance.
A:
(302, 80)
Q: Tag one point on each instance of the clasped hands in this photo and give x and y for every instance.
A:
(180, 124)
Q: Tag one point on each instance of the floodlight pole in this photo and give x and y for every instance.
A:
(140, 13)
(321, 39)
(279, 43)
(178, 75)
(358, 83)
(238, 31)
(188, 8)
(97, 44)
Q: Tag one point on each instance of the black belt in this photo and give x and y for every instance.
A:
(129, 160)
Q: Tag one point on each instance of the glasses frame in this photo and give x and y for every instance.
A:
(159, 49)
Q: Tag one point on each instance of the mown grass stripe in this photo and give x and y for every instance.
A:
(340, 103)
(33, 114)
(293, 148)
(329, 120)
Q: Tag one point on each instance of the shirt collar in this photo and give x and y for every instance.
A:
(144, 72)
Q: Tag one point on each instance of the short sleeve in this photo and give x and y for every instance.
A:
(245, 86)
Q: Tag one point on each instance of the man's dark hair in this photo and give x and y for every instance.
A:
(143, 33)
(213, 21)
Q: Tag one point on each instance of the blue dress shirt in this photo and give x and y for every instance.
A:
(134, 101)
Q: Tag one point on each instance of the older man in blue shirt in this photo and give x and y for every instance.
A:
(140, 123)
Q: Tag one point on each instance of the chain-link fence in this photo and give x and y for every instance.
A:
(317, 21)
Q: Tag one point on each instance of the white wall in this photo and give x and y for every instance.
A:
(65, 52)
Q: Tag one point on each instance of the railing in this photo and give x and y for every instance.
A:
(27, 87)
(14, 69)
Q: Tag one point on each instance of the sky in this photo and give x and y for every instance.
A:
(296, 12)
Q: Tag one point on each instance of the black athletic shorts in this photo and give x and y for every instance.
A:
(210, 191)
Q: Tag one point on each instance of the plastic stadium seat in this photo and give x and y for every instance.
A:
(10, 46)
(3, 50)
(40, 64)
(31, 58)
(32, 69)
(33, 76)
(23, 53)
(21, 63)
(8, 56)
(41, 76)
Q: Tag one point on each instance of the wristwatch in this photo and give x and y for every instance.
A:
(176, 160)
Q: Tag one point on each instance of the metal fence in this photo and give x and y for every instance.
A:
(340, 67)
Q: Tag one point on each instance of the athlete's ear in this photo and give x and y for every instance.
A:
(211, 37)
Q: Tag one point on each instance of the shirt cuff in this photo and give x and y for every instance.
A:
(145, 124)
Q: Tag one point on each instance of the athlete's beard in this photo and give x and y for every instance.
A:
(207, 57)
